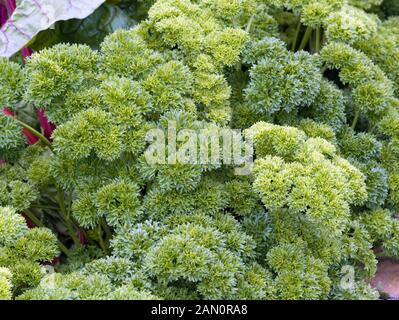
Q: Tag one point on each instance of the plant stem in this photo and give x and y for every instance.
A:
(249, 25)
(297, 31)
(306, 38)
(33, 217)
(39, 206)
(71, 229)
(318, 39)
(83, 231)
(355, 119)
(41, 137)
(63, 248)
(101, 240)
(107, 230)
(70, 205)
(39, 223)
(61, 202)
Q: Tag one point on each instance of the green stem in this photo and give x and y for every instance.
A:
(39, 223)
(71, 229)
(36, 133)
(33, 217)
(82, 230)
(70, 204)
(306, 38)
(371, 130)
(61, 202)
(63, 248)
(250, 22)
(101, 240)
(355, 119)
(106, 228)
(297, 31)
(380, 254)
(318, 39)
(38, 206)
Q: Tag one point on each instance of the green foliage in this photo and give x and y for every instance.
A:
(21, 182)
(12, 142)
(304, 278)
(11, 83)
(313, 83)
(328, 106)
(390, 8)
(75, 286)
(55, 72)
(195, 250)
(383, 49)
(372, 90)
(5, 284)
(280, 80)
(295, 172)
(365, 4)
(118, 202)
(12, 226)
(382, 229)
(21, 251)
(350, 25)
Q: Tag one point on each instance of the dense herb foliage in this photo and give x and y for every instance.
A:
(313, 84)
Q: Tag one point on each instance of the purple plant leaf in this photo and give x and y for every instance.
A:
(26, 52)
(10, 4)
(32, 16)
(3, 14)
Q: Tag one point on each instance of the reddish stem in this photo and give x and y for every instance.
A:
(29, 222)
(26, 53)
(82, 238)
(8, 112)
(47, 126)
